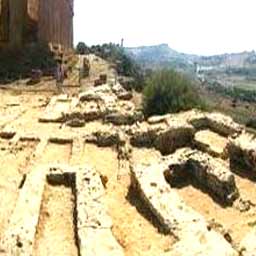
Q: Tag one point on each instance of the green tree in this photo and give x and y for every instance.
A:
(81, 48)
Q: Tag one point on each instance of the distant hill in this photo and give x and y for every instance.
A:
(162, 55)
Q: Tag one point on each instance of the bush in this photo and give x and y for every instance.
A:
(168, 91)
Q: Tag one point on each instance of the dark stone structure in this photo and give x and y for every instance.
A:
(25, 21)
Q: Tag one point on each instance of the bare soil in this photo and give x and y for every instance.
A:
(133, 225)
(56, 232)
(57, 154)
(237, 223)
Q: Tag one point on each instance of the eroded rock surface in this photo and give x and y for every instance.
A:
(188, 226)
(243, 150)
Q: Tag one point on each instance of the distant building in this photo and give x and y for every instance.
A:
(25, 21)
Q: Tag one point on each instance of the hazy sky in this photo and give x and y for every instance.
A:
(191, 26)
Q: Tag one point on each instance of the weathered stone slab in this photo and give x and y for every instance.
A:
(93, 223)
(98, 242)
(144, 135)
(211, 173)
(187, 225)
(106, 137)
(212, 143)
(243, 150)
(165, 136)
(248, 245)
(178, 134)
(214, 174)
(217, 122)
(19, 236)
(121, 93)
(58, 108)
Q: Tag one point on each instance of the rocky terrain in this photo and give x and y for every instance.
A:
(83, 173)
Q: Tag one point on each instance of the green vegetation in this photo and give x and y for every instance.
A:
(242, 93)
(82, 48)
(168, 91)
(116, 55)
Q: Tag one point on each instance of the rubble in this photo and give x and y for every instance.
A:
(124, 113)
(215, 175)
(58, 108)
(211, 173)
(94, 104)
(105, 138)
(242, 150)
(121, 93)
(188, 226)
(217, 122)
(164, 136)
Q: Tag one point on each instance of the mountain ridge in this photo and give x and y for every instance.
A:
(163, 55)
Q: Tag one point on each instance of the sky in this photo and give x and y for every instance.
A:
(204, 27)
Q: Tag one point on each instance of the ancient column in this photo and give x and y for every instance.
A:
(4, 20)
(18, 16)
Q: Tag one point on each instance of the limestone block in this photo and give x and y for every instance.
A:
(19, 236)
(248, 245)
(212, 143)
(214, 174)
(217, 122)
(243, 150)
(187, 225)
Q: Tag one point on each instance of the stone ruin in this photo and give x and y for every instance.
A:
(108, 103)
(198, 147)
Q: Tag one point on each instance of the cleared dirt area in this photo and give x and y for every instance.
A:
(56, 232)
(56, 228)
(237, 223)
(56, 153)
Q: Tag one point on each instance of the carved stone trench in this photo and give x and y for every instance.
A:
(89, 218)
(196, 148)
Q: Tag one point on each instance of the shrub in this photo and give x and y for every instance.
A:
(168, 91)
